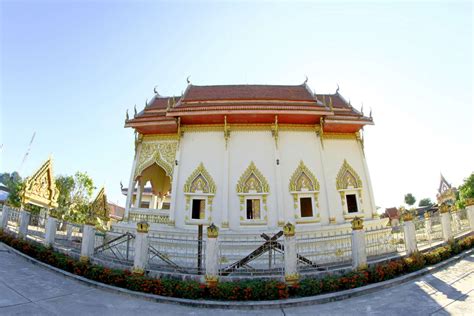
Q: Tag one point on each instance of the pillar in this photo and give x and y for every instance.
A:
(455, 219)
(446, 223)
(212, 255)
(50, 234)
(428, 226)
(359, 254)
(409, 232)
(88, 242)
(69, 229)
(140, 261)
(131, 182)
(225, 189)
(24, 221)
(138, 197)
(469, 210)
(5, 215)
(291, 262)
(174, 184)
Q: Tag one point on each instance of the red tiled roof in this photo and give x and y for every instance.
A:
(392, 213)
(247, 92)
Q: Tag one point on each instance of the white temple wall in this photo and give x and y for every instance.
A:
(295, 147)
(197, 147)
(335, 151)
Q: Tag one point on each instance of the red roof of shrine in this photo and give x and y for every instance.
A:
(248, 104)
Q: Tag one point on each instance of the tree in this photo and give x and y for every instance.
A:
(465, 191)
(409, 199)
(425, 202)
(14, 183)
(74, 197)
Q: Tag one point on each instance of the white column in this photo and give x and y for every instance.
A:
(359, 254)
(446, 223)
(153, 202)
(409, 232)
(327, 210)
(131, 182)
(212, 256)
(279, 191)
(140, 261)
(69, 228)
(372, 209)
(88, 242)
(50, 234)
(24, 221)
(5, 215)
(225, 188)
(428, 225)
(469, 210)
(138, 197)
(291, 257)
(456, 220)
(174, 186)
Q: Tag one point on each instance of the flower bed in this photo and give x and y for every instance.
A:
(239, 290)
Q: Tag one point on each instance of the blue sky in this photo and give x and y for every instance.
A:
(69, 70)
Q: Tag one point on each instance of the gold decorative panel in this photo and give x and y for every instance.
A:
(347, 177)
(161, 153)
(252, 180)
(98, 207)
(303, 179)
(40, 189)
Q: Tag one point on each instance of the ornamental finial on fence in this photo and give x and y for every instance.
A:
(357, 223)
(212, 231)
(142, 227)
(289, 230)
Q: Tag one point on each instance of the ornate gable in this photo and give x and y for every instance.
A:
(98, 207)
(40, 189)
(252, 180)
(446, 193)
(162, 153)
(303, 179)
(348, 177)
(200, 181)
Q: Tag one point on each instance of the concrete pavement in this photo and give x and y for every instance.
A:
(28, 289)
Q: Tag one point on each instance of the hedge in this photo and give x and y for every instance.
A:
(239, 290)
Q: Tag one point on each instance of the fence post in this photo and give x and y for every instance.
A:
(140, 261)
(88, 242)
(446, 222)
(428, 226)
(24, 221)
(5, 216)
(69, 228)
(50, 232)
(291, 261)
(469, 209)
(359, 254)
(410, 233)
(212, 255)
(455, 219)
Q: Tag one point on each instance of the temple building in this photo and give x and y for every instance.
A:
(248, 158)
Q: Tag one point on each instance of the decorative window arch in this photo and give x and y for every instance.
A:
(161, 153)
(348, 182)
(200, 185)
(252, 185)
(303, 184)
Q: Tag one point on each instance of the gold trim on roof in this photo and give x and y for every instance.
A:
(40, 189)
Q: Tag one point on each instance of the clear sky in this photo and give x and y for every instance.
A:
(70, 69)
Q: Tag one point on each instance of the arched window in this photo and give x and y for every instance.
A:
(252, 189)
(199, 190)
(304, 187)
(349, 185)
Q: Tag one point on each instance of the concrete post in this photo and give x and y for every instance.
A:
(69, 229)
(409, 232)
(470, 215)
(359, 254)
(88, 242)
(446, 223)
(50, 234)
(24, 221)
(456, 220)
(428, 228)
(291, 262)
(5, 215)
(212, 256)
(140, 261)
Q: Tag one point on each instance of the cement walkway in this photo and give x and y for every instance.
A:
(28, 289)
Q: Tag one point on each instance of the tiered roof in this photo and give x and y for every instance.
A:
(248, 104)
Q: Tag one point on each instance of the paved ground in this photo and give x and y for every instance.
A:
(27, 289)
